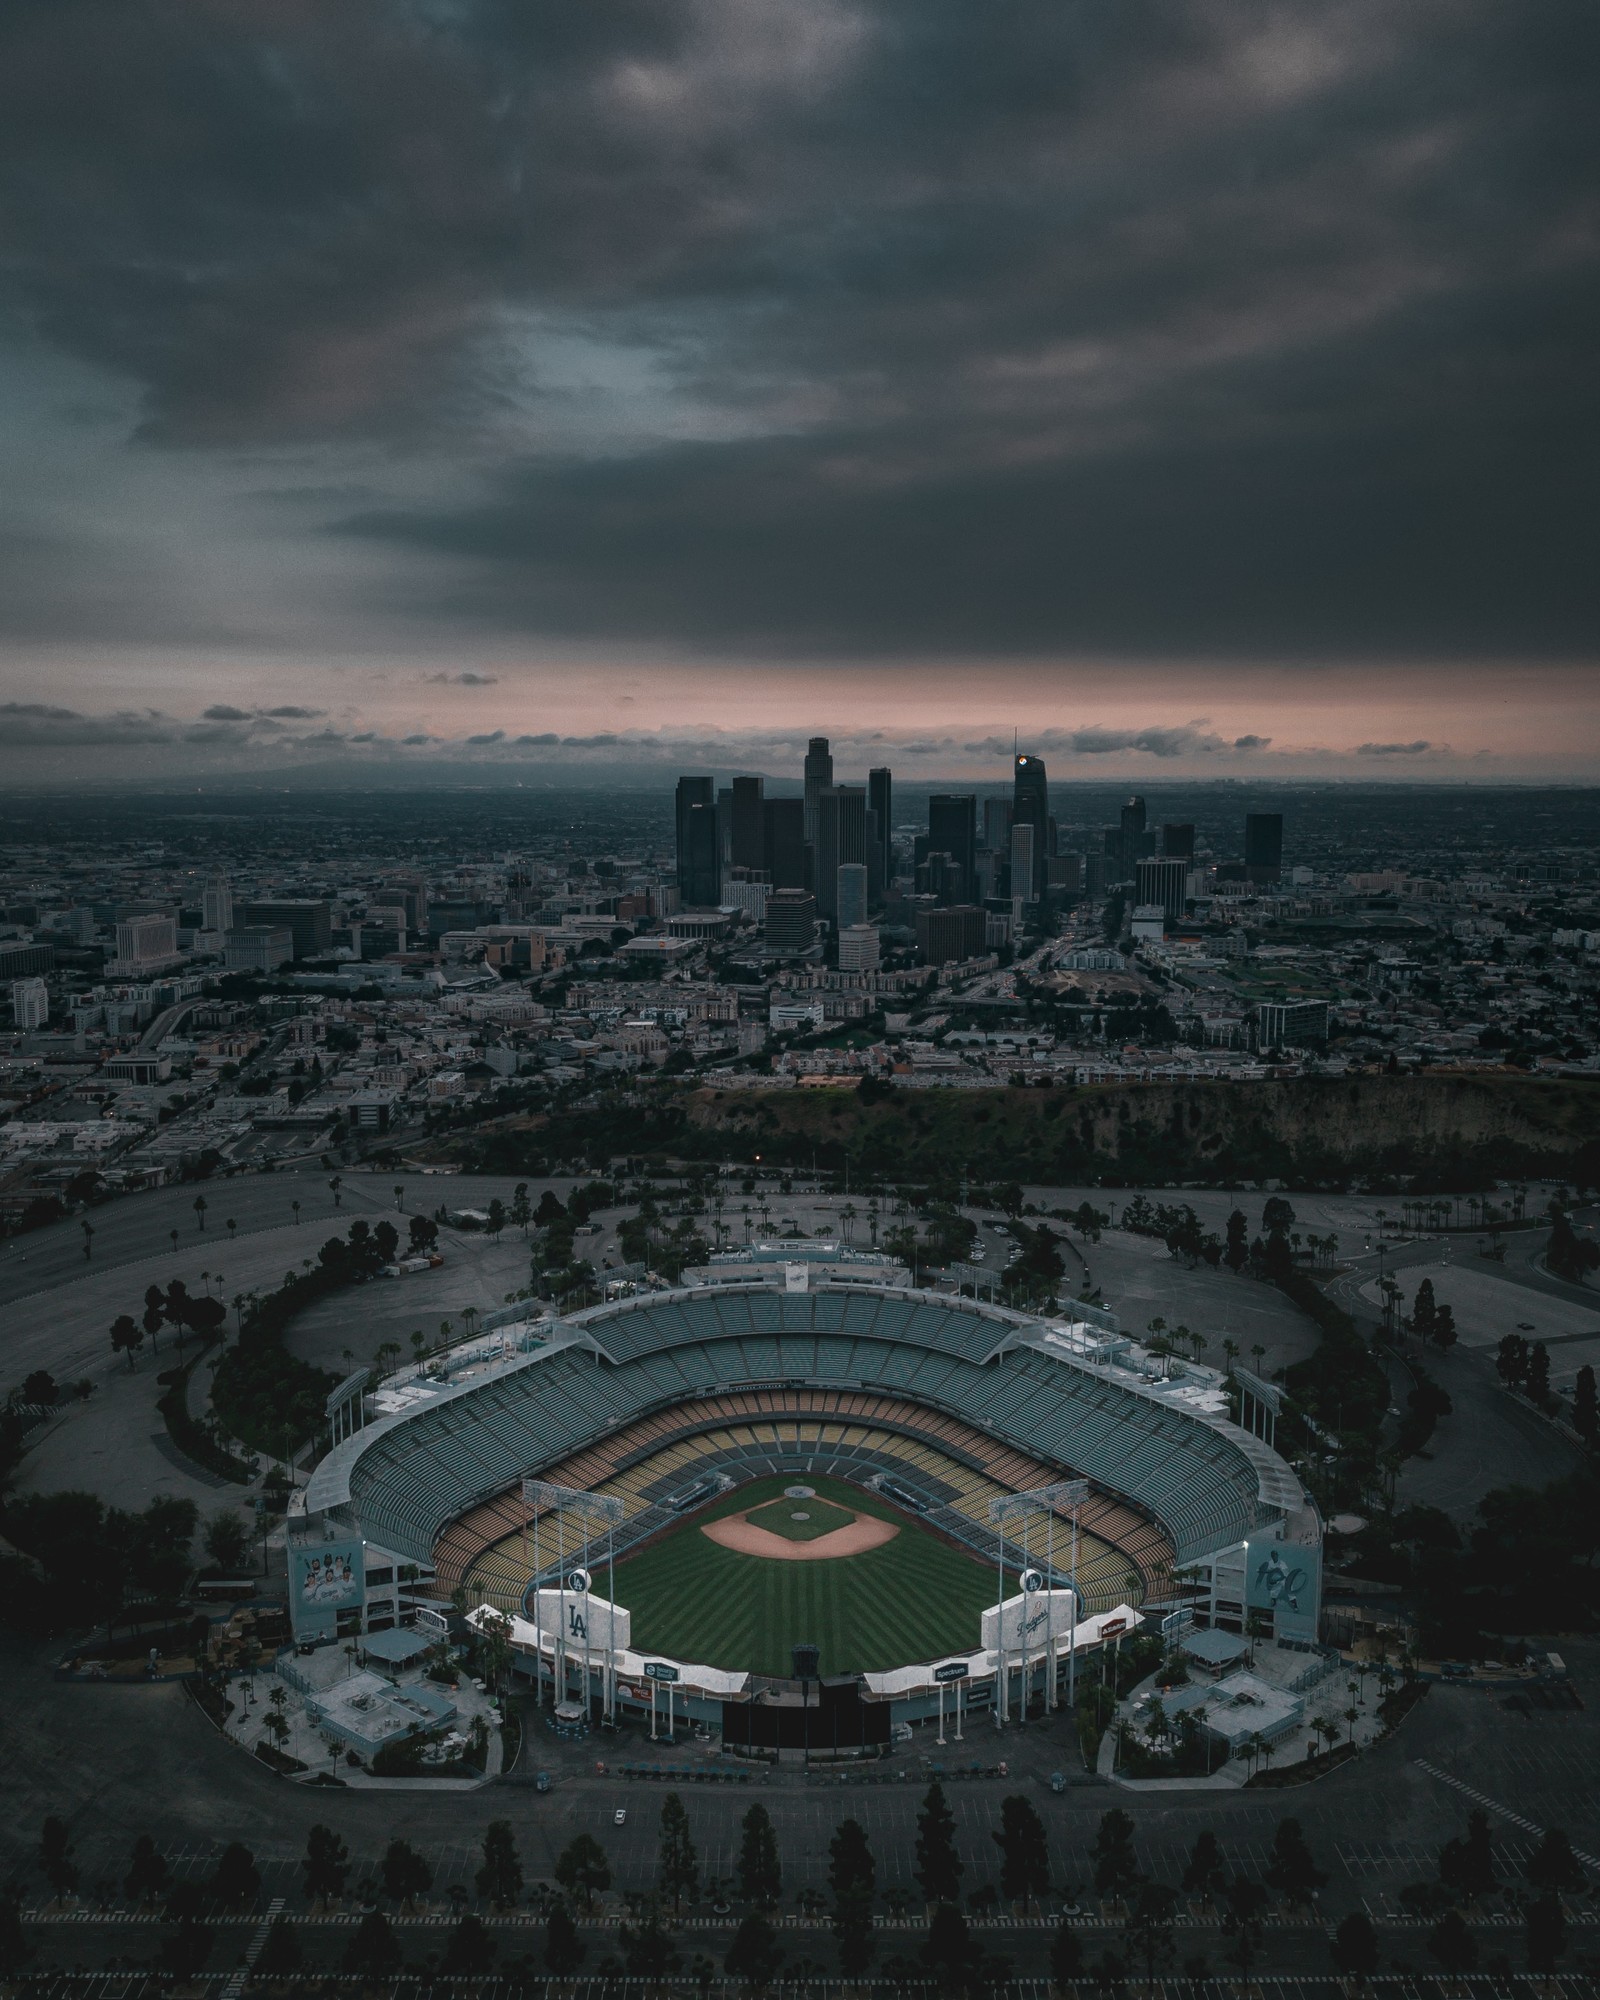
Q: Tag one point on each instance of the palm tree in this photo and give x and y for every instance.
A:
(200, 1206)
(1258, 1354)
(399, 1194)
(231, 1226)
(174, 1235)
(295, 1205)
(334, 1186)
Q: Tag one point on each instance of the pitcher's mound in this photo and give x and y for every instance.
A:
(734, 1532)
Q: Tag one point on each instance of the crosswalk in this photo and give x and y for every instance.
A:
(253, 1950)
(1493, 1805)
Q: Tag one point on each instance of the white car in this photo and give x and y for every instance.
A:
(620, 1816)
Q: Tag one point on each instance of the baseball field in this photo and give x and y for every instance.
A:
(913, 1597)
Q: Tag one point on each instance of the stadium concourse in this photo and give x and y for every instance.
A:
(561, 1474)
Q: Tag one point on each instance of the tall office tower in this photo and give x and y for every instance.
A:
(724, 830)
(791, 921)
(880, 803)
(1263, 846)
(216, 905)
(30, 1003)
(699, 881)
(1162, 879)
(850, 894)
(146, 941)
(1114, 857)
(749, 843)
(1135, 834)
(860, 948)
(997, 825)
(1024, 867)
(819, 776)
(953, 830)
(841, 838)
(1178, 842)
(784, 834)
(945, 937)
(1030, 806)
(875, 858)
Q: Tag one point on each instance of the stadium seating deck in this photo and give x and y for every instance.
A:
(1036, 1417)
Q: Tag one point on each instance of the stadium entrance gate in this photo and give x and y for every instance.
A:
(828, 1718)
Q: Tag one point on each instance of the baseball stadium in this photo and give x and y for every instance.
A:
(682, 1487)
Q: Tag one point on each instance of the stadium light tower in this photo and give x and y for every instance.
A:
(592, 1511)
(1066, 1496)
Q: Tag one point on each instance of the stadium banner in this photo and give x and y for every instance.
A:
(1283, 1579)
(324, 1579)
(1032, 1617)
(582, 1619)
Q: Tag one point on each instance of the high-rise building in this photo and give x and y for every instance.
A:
(309, 922)
(1024, 867)
(30, 1003)
(1178, 842)
(146, 943)
(841, 837)
(791, 921)
(953, 830)
(216, 905)
(1161, 880)
(785, 842)
(1291, 1024)
(1136, 839)
(880, 803)
(1263, 846)
(699, 879)
(749, 842)
(860, 948)
(1030, 806)
(818, 777)
(850, 898)
(997, 825)
(946, 937)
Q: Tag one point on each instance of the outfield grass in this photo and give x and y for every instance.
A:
(914, 1598)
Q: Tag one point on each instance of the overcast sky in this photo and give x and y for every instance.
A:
(1195, 386)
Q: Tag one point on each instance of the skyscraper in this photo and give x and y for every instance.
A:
(841, 838)
(997, 825)
(1263, 846)
(1024, 866)
(216, 905)
(880, 801)
(1163, 880)
(953, 830)
(699, 882)
(851, 898)
(784, 822)
(749, 843)
(819, 776)
(1030, 806)
(1177, 842)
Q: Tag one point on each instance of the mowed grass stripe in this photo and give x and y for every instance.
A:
(911, 1599)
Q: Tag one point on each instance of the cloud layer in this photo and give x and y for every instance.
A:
(865, 330)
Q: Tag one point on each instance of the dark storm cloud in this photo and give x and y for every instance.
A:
(1150, 325)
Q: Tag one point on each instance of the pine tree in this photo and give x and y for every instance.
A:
(1116, 1868)
(1291, 1871)
(1024, 1852)
(1444, 1327)
(55, 1857)
(949, 1953)
(1423, 1311)
(753, 1957)
(1554, 1866)
(374, 1952)
(582, 1869)
(470, 1950)
(1539, 1373)
(678, 1871)
(1355, 1946)
(1453, 1945)
(404, 1873)
(1237, 1254)
(852, 1874)
(760, 1876)
(1205, 1870)
(281, 1956)
(939, 1867)
(326, 1866)
(147, 1871)
(236, 1881)
(1066, 1953)
(1546, 1934)
(563, 1948)
(499, 1880)
(1467, 1866)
